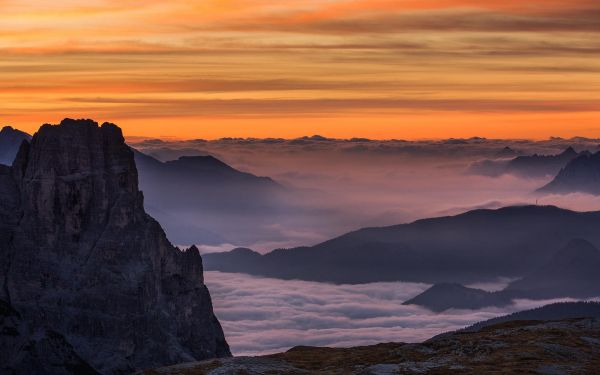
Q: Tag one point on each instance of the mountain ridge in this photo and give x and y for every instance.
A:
(80, 255)
(444, 249)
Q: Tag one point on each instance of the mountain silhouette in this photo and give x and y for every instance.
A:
(444, 296)
(525, 166)
(474, 246)
(200, 199)
(571, 272)
(582, 174)
(10, 141)
(80, 256)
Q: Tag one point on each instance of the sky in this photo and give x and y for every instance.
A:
(286, 68)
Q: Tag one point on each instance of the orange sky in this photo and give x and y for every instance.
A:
(286, 68)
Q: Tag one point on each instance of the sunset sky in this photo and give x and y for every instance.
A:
(286, 68)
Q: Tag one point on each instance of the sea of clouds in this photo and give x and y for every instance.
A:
(263, 315)
(341, 185)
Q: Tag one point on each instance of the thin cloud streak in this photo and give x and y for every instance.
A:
(240, 60)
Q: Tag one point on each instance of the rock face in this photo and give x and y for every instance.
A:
(35, 351)
(80, 256)
(10, 140)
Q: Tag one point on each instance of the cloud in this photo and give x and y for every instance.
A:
(338, 187)
(262, 315)
(134, 108)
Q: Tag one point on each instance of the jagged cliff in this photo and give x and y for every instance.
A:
(80, 256)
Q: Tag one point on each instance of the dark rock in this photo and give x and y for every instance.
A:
(83, 258)
(35, 351)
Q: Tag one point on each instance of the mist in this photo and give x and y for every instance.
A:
(263, 315)
(335, 186)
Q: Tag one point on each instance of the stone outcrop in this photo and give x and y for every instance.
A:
(80, 256)
(35, 351)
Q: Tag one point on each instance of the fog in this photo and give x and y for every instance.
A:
(263, 315)
(341, 185)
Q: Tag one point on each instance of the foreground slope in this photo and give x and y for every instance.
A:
(79, 255)
(478, 245)
(566, 343)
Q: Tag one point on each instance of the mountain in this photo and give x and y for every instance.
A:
(474, 246)
(572, 272)
(35, 351)
(79, 255)
(582, 174)
(570, 346)
(444, 296)
(552, 312)
(525, 166)
(200, 199)
(10, 141)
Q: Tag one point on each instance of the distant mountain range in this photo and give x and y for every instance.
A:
(474, 246)
(582, 174)
(525, 166)
(571, 272)
(10, 140)
(195, 197)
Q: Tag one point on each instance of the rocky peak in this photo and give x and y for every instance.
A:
(81, 257)
(76, 176)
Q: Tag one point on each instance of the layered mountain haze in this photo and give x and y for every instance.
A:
(531, 166)
(81, 257)
(202, 200)
(571, 273)
(472, 247)
(582, 175)
(311, 187)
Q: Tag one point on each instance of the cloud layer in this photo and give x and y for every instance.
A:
(342, 185)
(261, 315)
